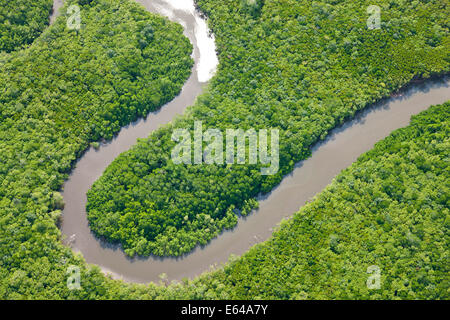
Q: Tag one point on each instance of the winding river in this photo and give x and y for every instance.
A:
(341, 148)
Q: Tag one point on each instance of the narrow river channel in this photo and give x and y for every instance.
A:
(338, 151)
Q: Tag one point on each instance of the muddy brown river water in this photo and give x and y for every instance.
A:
(338, 151)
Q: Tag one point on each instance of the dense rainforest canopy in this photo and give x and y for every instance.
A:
(299, 66)
(390, 209)
(69, 89)
(21, 21)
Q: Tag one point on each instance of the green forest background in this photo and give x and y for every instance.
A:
(280, 62)
(21, 21)
(301, 67)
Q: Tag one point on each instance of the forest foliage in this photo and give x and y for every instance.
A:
(390, 209)
(72, 87)
(298, 66)
(50, 113)
(21, 21)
